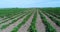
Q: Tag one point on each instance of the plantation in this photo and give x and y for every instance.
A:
(30, 20)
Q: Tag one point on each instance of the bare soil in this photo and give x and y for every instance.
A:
(40, 26)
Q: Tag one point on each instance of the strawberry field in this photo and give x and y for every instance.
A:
(30, 20)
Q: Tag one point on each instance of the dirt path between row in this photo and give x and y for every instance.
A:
(9, 21)
(53, 24)
(53, 16)
(9, 28)
(40, 26)
(25, 27)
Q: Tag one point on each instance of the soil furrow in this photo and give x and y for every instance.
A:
(26, 25)
(9, 28)
(9, 21)
(40, 26)
(52, 23)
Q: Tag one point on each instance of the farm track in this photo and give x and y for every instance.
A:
(52, 23)
(40, 26)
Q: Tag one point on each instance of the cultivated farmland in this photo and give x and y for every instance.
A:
(30, 20)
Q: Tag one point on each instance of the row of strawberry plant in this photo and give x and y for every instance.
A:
(48, 26)
(11, 15)
(13, 21)
(11, 18)
(9, 11)
(53, 11)
(53, 14)
(6, 20)
(15, 29)
(53, 19)
(32, 27)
